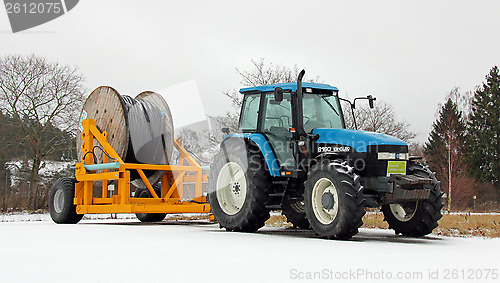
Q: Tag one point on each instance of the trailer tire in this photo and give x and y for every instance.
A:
(420, 217)
(295, 213)
(238, 203)
(334, 200)
(61, 207)
(148, 217)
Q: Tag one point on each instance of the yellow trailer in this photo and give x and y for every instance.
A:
(70, 199)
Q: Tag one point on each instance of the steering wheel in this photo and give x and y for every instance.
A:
(311, 124)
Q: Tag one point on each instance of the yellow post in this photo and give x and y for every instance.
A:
(199, 180)
(124, 187)
(88, 145)
(104, 182)
(180, 187)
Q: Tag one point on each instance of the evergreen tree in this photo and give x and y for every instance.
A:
(484, 131)
(445, 147)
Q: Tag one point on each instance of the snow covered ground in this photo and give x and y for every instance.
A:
(125, 250)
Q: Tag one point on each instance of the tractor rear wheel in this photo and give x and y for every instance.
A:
(334, 201)
(295, 213)
(417, 218)
(238, 188)
(61, 207)
(148, 217)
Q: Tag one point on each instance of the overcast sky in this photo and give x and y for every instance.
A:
(408, 53)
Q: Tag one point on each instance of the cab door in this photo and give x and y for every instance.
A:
(276, 124)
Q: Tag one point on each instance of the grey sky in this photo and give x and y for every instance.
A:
(409, 53)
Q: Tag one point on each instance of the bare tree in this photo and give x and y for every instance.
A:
(230, 121)
(380, 119)
(261, 73)
(40, 95)
(264, 74)
(416, 148)
(196, 143)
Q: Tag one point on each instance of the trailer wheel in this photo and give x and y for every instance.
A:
(295, 213)
(417, 218)
(61, 207)
(334, 201)
(238, 188)
(148, 217)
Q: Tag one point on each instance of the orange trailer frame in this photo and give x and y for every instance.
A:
(169, 201)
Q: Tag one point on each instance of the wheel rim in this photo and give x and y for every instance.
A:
(323, 194)
(59, 201)
(404, 211)
(231, 188)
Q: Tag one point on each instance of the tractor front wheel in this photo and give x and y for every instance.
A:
(416, 218)
(334, 201)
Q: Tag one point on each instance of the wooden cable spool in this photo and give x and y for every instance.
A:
(140, 130)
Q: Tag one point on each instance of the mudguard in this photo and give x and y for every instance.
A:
(264, 147)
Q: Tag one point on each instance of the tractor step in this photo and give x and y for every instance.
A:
(274, 206)
(282, 182)
(275, 200)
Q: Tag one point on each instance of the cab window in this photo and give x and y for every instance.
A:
(250, 112)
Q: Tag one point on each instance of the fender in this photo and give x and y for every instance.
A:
(264, 147)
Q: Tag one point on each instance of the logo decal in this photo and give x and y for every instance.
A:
(333, 149)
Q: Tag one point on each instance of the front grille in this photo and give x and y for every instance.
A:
(376, 167)
(388, 148)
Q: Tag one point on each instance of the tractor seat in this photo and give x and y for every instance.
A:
(277, 130)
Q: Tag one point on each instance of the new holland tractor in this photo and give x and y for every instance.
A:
(294, 153)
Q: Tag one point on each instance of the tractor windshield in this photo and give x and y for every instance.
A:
(322, 111)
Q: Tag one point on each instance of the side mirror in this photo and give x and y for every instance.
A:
(278, 94)
(370, 100)
(225, 131)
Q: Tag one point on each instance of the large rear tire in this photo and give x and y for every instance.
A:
(148, 217)
(238, 187)
(334, 200)
(61, 207)
(417, 218)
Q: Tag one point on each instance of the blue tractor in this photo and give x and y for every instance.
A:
(293, 153)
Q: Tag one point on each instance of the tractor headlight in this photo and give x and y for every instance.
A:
(403, 156)
(392, 155)
(386, 155)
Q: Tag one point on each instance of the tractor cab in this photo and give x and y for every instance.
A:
(270, 111)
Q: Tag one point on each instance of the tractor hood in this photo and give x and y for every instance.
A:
(358, 140)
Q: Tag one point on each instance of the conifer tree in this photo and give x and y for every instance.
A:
(484, 131)
(445, 146)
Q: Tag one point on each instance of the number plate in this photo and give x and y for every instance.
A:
(396, 167)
